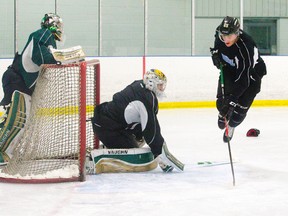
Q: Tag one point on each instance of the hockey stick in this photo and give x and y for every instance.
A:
(173, 161)
(226, 123)
(212, 163)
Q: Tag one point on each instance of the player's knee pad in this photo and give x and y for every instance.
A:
(15, 122)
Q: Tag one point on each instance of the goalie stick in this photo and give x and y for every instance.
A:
(212, 163)
(173, 161)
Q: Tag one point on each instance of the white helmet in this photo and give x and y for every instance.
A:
(156, 81)
(54, 23)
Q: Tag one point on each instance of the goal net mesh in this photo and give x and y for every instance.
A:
(57, 133)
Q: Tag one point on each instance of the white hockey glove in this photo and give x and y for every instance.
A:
(70, 55)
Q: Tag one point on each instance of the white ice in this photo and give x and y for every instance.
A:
(192, 135)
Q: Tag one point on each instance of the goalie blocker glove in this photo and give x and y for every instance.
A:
(163, 164)
(168, 162)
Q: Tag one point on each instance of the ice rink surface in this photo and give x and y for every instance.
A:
(192, 135)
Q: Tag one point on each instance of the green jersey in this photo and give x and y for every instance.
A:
(35, 53)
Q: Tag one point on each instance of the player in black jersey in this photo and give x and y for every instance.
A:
(130, 119)
(243, 69)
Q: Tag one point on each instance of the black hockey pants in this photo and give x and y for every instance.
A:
(111, 133)
(246, 99)
(12, 81)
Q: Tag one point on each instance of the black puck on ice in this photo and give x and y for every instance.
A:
(253, 132)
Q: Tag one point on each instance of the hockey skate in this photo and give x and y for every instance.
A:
(4, 117)
(3, 159)
(230, 134)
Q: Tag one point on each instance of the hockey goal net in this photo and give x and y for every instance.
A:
(57, 134)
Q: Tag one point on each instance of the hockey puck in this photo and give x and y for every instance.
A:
(253, 132)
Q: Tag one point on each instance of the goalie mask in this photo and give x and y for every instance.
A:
(155, 80)
(54, 23)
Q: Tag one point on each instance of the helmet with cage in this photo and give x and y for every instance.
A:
(229, 25)
(54, 23)
(156, 81)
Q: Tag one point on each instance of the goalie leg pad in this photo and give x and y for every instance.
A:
(15, 122)
(122, 160)
(112, 165)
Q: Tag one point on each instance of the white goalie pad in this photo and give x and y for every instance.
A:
(14, 124)
(70, 55)
(121, 160)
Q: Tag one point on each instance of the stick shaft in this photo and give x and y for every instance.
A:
(226, 123)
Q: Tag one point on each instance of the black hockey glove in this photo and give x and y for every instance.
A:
(215, 57)
(228, 107)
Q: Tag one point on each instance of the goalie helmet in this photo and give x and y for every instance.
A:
(229, 25)
(54, 23)
(155, 80)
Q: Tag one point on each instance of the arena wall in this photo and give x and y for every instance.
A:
(192, 81)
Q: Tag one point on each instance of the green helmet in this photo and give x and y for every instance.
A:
(54, 23)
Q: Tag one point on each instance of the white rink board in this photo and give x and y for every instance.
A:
(189, 78)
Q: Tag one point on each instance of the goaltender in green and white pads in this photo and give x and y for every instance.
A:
(130, 119)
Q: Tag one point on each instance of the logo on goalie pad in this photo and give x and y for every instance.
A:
(15, 122)
(116, 151)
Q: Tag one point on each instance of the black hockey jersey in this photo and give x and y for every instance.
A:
(133, 105)
(239, 62)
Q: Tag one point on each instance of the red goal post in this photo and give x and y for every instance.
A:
(58, 131)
